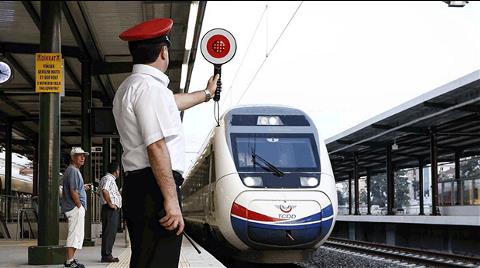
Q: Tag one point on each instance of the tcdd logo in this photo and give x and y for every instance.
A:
(285, 208)
(287, 216)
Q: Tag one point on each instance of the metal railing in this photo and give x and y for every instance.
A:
(95, 204)
(381, 211)
(25, 224)
(10, 205)
(22, 210)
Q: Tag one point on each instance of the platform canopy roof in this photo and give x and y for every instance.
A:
(451, 112)
(89, 34)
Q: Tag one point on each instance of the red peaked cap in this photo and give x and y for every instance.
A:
(148, 30)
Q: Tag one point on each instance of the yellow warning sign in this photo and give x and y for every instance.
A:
(48, 72)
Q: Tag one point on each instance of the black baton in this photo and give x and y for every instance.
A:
(162, 214)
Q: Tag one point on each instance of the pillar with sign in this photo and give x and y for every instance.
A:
(48, 84)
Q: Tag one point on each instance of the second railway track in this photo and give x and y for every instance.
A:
(416, 256)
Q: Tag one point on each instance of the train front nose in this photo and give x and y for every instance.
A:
(279, 219)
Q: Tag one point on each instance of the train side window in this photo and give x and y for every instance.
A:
(206, 168)
(213, 176)
(213, 179)
(204, 171)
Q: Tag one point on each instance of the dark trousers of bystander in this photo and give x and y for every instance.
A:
(151, 244)
(109, 229)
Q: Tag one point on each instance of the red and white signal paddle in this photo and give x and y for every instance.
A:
(218, 46)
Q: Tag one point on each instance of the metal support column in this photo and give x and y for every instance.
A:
(48, 251)
(87, 146)
(118, 158)
(390, 182)
(434, 171)
(350, 195)
(420, 185)
(458, 194)
(369, 204)
(106, 155)
(355, 177)
(8, 167)
(35, 168)
(390, 234)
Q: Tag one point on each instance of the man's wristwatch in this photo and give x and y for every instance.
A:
(208, 96)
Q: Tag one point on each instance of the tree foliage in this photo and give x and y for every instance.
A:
(363, 196)
(342, 199)
(379, 190)
(402, 193)
(470, 168)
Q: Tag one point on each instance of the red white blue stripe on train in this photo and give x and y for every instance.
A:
(280, 223)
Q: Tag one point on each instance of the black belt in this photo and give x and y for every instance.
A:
(148, 170)
(136, 172)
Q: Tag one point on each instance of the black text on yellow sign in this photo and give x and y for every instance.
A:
(48, 72)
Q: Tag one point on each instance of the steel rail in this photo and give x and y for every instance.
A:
(407, 254)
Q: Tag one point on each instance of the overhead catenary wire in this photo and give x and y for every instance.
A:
(269, 52)
(246, 52)
(266, 30)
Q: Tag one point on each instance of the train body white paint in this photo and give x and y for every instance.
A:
(263, 186)
(22, 172)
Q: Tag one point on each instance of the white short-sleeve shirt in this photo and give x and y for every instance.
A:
(145, 112)
(108, 183)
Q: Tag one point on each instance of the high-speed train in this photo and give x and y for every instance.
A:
(262, 190)
(22, 173)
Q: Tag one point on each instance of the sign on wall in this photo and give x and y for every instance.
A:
(48, 72)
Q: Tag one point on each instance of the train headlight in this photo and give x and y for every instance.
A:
(269, 121)
(308, 181)
(253, 181)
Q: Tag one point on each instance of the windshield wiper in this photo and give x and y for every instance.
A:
(267, 165)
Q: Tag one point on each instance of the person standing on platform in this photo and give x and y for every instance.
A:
(111, 204)
(74, 205)
(147, 115)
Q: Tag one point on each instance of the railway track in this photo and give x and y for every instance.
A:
(416, 256)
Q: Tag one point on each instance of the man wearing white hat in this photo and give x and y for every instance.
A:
(74, 205)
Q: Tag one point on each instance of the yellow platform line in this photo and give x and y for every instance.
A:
(124, 260)
(17, 243)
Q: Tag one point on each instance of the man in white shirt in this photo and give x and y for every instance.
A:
(111, 204)
(147, 115)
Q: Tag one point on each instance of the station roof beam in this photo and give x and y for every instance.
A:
(88, 35)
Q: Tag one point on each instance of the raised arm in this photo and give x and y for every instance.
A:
(188, 100)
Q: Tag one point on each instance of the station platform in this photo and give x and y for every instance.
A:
(449, 234)
(13, 253)
(414, 219)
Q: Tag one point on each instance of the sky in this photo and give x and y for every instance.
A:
(340, 62)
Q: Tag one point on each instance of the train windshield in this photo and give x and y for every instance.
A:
(287, 152)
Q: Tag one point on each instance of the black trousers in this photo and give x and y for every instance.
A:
(152, 245)
(109, 229)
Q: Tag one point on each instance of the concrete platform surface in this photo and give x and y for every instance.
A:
(413, 219)
(13, 253)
